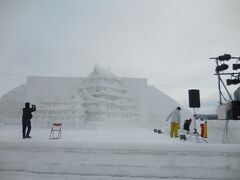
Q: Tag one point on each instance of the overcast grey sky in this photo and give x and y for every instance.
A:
(169, 42)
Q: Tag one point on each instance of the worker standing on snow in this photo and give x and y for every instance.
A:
(175, 122)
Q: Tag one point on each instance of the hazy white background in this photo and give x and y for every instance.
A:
(169, 42)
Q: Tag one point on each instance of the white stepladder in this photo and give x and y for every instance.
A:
(56, 127)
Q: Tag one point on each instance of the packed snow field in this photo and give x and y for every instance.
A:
(104, 154)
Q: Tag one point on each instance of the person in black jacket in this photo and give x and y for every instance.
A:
(186, 125)
(26, 119)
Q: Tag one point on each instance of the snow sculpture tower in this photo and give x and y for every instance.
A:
(107, 101)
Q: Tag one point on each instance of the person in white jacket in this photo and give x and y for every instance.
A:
(175, 122)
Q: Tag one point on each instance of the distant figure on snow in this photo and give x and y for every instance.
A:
(175, 122)
(186, 125)
(26, 119)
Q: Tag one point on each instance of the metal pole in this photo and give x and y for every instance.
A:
(219, 84)
(225, 132)
(195, 125)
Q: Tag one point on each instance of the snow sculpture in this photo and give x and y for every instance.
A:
(107, 100)
(102, 100)
(71, 112)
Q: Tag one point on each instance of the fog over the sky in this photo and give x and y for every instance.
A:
(169, 42)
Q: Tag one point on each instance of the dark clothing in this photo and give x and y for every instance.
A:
(27, 113)
(26, 120)
(186, 125)
(26, 125)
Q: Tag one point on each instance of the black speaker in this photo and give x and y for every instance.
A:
(236, 110)
(194, 98)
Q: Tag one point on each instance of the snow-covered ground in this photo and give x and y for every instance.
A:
(104, 154)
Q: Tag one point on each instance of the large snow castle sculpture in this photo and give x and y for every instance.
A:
(101, 99)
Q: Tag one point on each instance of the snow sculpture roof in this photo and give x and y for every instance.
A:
(100, 72)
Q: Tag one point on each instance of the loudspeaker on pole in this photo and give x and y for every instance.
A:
(194, 98)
